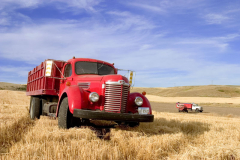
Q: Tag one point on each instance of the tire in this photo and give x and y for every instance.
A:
(43, 102)
(65, 117)
(35, 108)
(197, 110)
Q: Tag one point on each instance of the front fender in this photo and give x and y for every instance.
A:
(77, 98)
(132, 107)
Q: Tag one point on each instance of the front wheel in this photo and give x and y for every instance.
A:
(35, 108)
(65, 117)
(197, 110)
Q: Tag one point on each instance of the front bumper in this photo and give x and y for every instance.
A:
(100, 115)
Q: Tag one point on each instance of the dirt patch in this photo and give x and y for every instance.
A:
(233, 100)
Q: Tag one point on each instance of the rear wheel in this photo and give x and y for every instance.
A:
(35, 107)
(43, 102)
(65, 117)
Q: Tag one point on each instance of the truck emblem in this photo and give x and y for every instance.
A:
(121, 81)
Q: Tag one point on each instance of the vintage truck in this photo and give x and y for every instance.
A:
(82, 89)
(185, 107)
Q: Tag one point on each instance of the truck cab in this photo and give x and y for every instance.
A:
(196, 107)
(87, 89)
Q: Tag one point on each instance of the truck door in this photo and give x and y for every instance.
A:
(67, 74)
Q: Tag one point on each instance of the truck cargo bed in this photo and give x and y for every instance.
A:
(40, 84)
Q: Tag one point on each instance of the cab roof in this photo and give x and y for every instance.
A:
(89, 60)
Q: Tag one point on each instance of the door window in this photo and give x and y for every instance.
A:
(68, 70)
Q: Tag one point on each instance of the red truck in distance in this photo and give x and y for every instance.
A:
(82, 89)
(185, 107)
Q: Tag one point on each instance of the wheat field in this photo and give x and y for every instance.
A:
(170, 136)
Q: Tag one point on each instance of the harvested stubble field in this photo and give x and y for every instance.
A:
(170, 136)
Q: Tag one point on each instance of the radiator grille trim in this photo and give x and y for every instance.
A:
(116, 96)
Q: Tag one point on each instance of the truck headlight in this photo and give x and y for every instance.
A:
(94, 97)
(138, 101)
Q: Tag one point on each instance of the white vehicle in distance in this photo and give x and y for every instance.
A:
(196, 107)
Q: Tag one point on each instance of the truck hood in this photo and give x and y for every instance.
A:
(104, 78)
(114, 78)
(89, 78)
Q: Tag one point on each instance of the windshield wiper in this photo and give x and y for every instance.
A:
(101, 66)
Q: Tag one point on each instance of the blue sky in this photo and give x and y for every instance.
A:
(167, 42)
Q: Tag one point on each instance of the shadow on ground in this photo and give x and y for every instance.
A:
(164, 126)
(158, 127)
(14, 133)
(102, 132)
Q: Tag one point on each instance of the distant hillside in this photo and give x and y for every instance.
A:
(12, 86)
(193, 91)
(184, 91)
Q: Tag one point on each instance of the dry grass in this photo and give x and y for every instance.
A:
(220, 105)
(170, 136)
(192, 91)
(12, 86)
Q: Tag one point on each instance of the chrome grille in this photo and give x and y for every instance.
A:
(84, 85)
(116, 95)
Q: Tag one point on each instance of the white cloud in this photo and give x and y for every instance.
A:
(145, 46)
(218, 42)
(213, 18)
(131, 41)
(85, 4)
(62, 39)
(127, 20)
(165, 6)
(69, 5)
(12, 4)
(199, 74)
(4, 21)
(13, 19)
(19, 71)
(119, 43)
(147, 7)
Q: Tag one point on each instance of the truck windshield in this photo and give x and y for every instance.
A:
(82, 67)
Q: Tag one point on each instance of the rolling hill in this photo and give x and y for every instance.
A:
(226, 91)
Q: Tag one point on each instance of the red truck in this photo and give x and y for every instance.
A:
(83, 89)
(185, 107)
